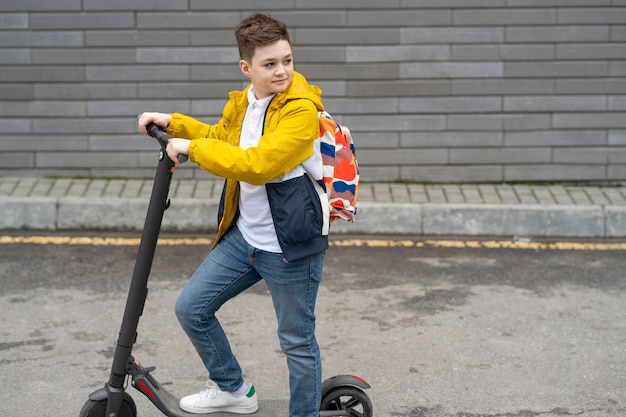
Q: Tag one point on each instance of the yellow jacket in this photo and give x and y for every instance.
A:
(290, 129)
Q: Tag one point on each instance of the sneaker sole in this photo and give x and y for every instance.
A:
(207, 410)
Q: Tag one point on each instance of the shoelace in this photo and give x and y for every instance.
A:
(210, 392)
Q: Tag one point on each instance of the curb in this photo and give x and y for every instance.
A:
(200, 215)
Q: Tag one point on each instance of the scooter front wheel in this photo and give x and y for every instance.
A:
(98, 408)
(348, 399)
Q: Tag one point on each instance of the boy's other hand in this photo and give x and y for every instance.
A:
(160, 119)
(177, 147)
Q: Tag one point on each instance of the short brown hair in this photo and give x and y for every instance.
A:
(258, 29)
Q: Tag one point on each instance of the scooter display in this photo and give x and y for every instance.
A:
(342, 395)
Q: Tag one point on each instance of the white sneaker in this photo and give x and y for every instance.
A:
(214, 400)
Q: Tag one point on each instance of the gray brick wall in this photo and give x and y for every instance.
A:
(433, 90)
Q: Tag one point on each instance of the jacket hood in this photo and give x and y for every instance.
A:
(300, 88)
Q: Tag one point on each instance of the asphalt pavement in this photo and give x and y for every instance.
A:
(517, 210)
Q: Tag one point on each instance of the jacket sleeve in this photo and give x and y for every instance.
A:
(278, 152)
(187, 127)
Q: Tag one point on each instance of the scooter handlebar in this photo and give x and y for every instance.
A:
(156, 132)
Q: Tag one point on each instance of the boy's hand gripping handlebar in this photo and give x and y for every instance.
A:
(156, 132)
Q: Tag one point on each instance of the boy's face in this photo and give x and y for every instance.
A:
(270, 69)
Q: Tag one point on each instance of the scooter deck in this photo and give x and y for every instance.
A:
(267, 408)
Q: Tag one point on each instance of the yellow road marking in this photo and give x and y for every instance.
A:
(371, 243)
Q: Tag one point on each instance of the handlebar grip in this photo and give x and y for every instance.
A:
(156, 132)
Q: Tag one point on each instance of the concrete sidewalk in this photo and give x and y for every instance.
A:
(417, 209)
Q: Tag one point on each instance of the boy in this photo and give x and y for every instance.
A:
(270, 220)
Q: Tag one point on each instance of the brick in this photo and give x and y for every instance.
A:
(589, 120)
(497, 17)
(106, 108)
(395, 123)
(502, 87)
(591, 51)
(22, 142)
(342, 36)
(42, 109)
(450, 105)
(452, 3)
(542, 104)
(81, 20)
(451, 70)
(617, 138)
(617, 103)
(380, 173)
(187, 90)
(207, 107)
(83, 56)
(17, 159)
(398, 88)
(330, 54)
(585, 155)
(565, 3)
(59, 73)
(592, 16)
(363, 105)
(590, 86)
(84, 125)
(137, 72)
(16, 91)
(557, 34)
(501, 52)
(37, 5)
(618, 33)
(555, 69)
(13, 21)
(395, 53)
(188, 21)
(122, 143)
(617, 68)
(41, 39)
(124, 38)
(448, 35)
(351, 71)
(83, 91)
(554, 172)
(85, 159)
(133, 5)
(366, 140)
(308, 18)
(498, 122)
(241, 4)
(399, 18)
(449, 173)
(582, 138)
(450, 139)
(403, 156)
(14, 56)
(343, 4)
(15, 126)
(500, 156)
(526, 122)
(188, 55)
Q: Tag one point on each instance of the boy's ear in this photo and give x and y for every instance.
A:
(245, 68)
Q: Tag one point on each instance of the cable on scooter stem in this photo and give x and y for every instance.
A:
(156, 132)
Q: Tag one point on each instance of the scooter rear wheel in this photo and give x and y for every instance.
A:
(98, 408)
(350, 399)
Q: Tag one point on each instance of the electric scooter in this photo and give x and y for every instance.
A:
(342, 395)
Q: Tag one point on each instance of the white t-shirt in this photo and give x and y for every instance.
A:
(255, 218)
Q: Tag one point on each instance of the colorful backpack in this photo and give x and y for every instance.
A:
(340, 168)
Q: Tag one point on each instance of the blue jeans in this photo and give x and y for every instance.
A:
(231, 268)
